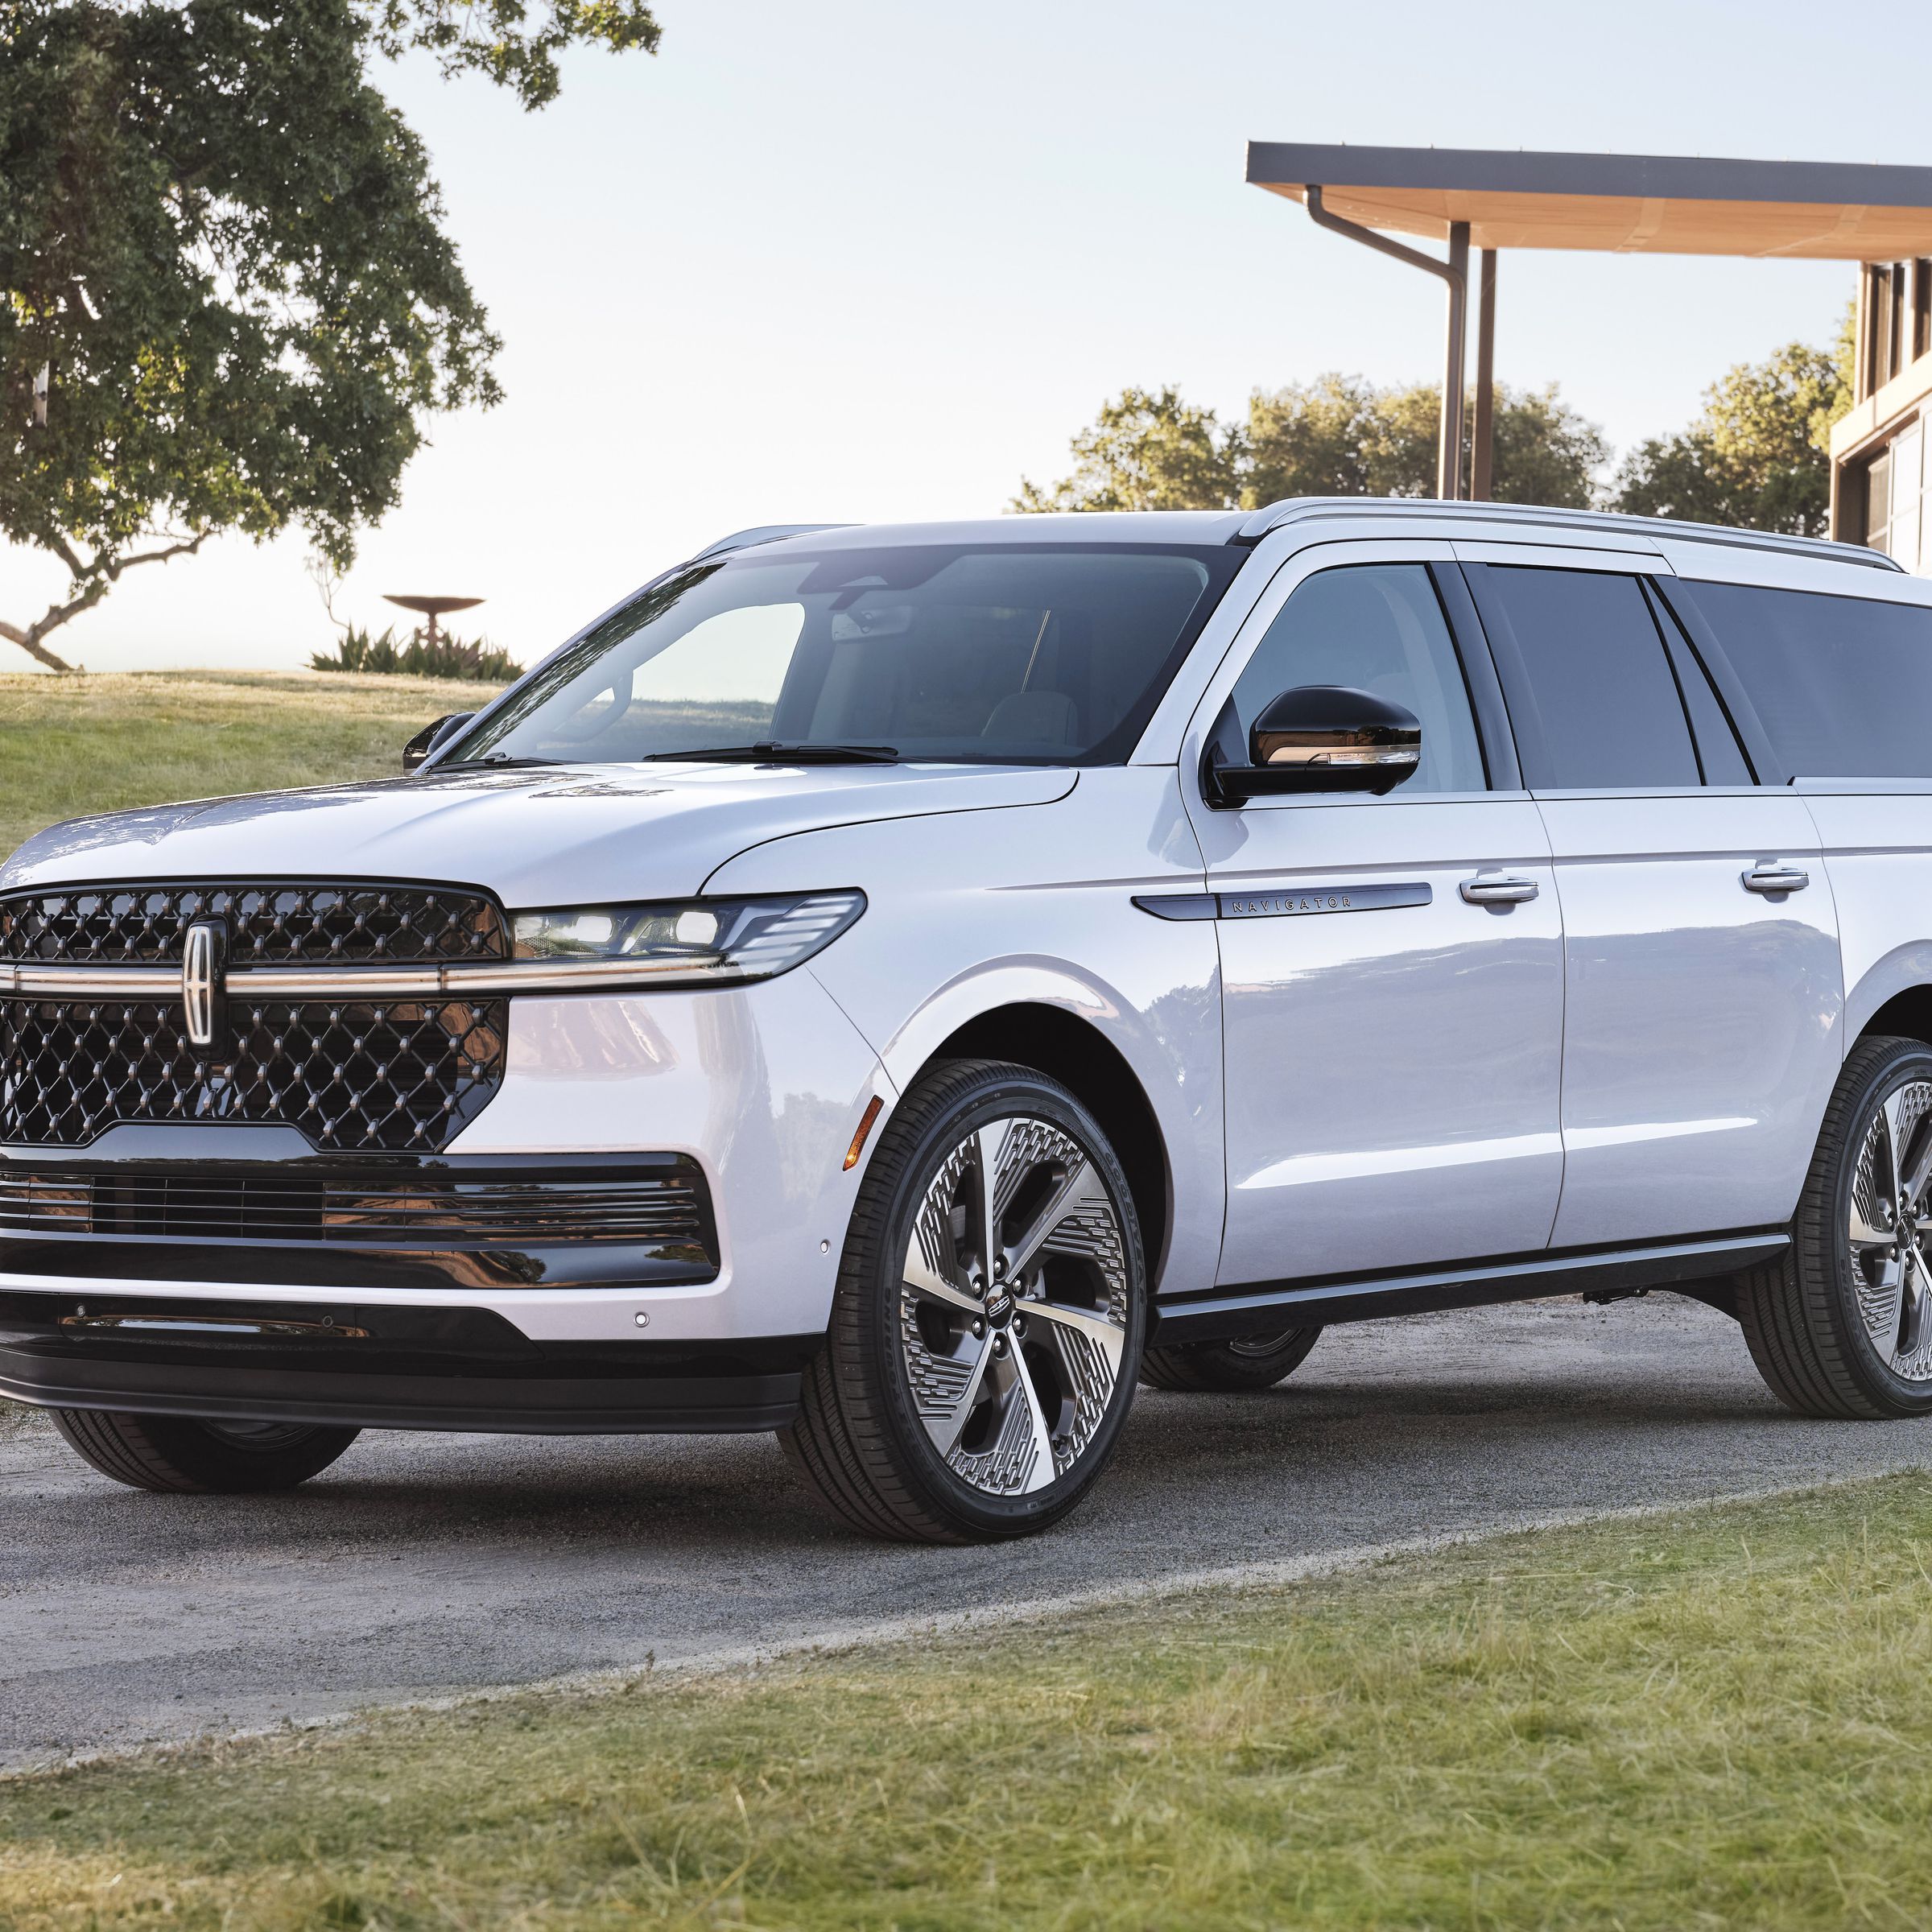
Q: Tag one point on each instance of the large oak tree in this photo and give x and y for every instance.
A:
(227, 301)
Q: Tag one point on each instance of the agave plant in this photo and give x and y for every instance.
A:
(479, 662)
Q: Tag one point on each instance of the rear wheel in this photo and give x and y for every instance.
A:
(1253, 1361)
(1841, 1324)
(173, 1455)
(988, 1319)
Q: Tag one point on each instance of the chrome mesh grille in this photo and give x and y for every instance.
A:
(268, 925)
(406, 1077)
(389, 1076)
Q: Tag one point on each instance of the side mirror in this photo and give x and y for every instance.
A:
(432, 737)
(1319, 738)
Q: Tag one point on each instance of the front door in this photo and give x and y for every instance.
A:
(1391, 968)
(1704, 987)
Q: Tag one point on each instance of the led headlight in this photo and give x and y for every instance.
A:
(687, 942)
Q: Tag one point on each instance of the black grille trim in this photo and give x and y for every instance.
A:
(665, 1207)
(298, 923)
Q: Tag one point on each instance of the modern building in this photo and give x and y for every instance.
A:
(1878, 452)
(1480, 202)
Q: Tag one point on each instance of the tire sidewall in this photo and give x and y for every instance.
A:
(1907, 1061)
(1003, 1091)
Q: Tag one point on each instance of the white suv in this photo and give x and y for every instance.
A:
(898, 985)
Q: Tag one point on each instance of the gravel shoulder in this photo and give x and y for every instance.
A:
(426, 1565)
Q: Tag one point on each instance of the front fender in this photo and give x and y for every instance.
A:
(976, 912)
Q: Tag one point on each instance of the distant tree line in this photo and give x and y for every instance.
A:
(1757, 455)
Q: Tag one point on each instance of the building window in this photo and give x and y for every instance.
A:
(1895, 497)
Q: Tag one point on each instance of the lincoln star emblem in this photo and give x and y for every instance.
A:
(201, 964)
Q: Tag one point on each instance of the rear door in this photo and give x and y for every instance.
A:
(1702, 991)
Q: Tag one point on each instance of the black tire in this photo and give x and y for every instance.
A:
(173, 1455)
(1255, 1361)
(861, 1439)
(1803, 1315)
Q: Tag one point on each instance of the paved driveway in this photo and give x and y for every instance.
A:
(424, 1564)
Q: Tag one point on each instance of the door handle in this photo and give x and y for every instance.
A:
(1495, 889)
(1776, 879)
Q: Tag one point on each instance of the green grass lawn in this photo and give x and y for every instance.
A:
(1719, 1719)
(69, 746)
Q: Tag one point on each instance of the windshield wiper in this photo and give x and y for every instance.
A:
(772, 753)
(492, 761)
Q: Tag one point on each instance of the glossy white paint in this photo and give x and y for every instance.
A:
(553, 836)
(1642, 1051)
(1035, 906)
(1392, 1076)
(764, 1085)
(1702, 1028)
(1878, 855)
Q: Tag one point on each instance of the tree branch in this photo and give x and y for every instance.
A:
(95, 577)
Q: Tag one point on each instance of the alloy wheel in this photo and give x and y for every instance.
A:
(1889, 1230)
(1013, 1309)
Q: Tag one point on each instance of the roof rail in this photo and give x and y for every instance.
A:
(761, 533)
(1304, 510)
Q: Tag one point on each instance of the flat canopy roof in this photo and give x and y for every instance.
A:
(1649, 203)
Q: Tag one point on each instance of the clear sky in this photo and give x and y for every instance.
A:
(832, 259)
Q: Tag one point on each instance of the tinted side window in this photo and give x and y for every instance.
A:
(1379, 628)
(1590, 691)
(1718, 749)
(1842, 685)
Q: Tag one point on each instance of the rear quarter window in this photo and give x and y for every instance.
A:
(1842, 686)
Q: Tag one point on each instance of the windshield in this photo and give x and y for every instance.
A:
(1032, 654)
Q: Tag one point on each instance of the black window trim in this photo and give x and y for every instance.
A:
(1687, 664)
(1526, 721)
(1493, 730)
(1679, 596)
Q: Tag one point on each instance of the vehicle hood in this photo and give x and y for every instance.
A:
(559, 835)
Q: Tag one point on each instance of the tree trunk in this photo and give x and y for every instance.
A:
(34, 648)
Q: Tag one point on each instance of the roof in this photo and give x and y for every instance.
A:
(1640, 204)
(1300, 510)
(1065, 526)
(1250, 527)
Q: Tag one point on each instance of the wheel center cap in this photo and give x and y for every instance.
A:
(999, 1310)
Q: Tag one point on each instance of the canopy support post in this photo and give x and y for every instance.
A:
(1455, 272)
(1449, 443)
(1482, 436)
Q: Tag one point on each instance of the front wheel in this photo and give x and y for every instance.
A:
(987, 1324)
(1841, 1324)
(172, 1454)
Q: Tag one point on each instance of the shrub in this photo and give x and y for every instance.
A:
(481, 662)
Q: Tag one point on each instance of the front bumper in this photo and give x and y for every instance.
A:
(380, 1367)
(760, 1088)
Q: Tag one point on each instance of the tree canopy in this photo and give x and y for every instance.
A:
(1759, 455)
(227, 301)
(1336, 436)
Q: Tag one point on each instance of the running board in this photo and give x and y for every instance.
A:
(1224, 1313)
